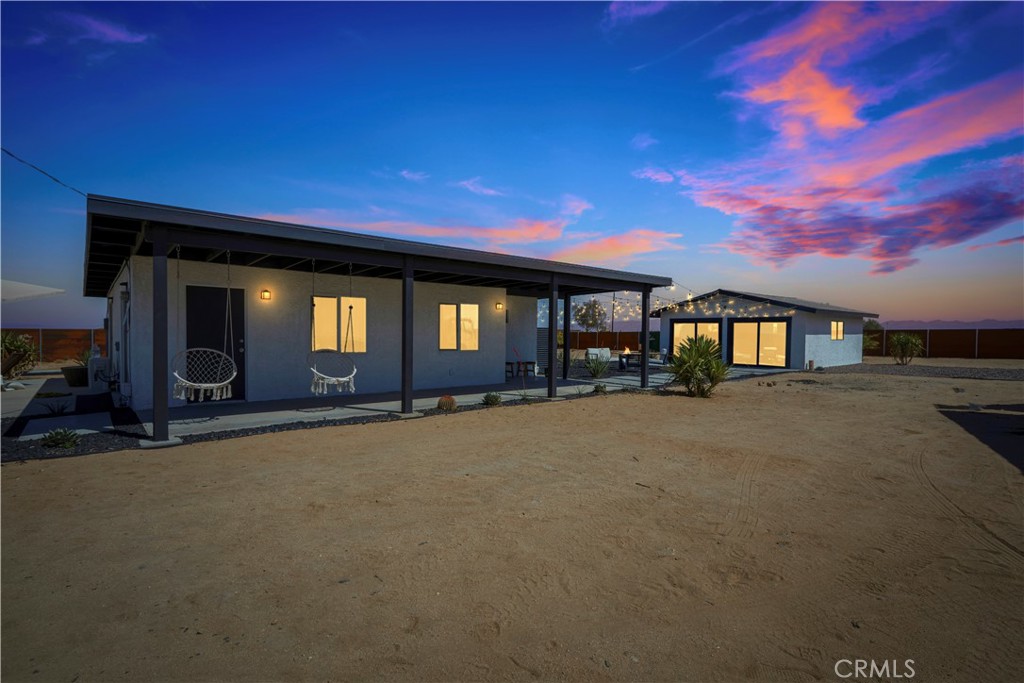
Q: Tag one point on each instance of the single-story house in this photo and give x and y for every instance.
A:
(411, 315)
(767, 330)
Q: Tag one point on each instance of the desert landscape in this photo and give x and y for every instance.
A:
(764, 534)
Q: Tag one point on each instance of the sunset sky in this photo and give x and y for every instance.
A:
(869, 155)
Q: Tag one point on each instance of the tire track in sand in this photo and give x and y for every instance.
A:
(741, 519)
(972, 526)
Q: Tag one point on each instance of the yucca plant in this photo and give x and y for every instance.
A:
(905, 347)
(697, 365)
(492, 398)
(596, 367)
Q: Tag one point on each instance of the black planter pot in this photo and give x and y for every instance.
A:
(76, 375)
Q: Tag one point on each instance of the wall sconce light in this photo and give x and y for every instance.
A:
(499, 306)
(265, 295)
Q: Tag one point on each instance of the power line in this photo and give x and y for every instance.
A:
(34, 167)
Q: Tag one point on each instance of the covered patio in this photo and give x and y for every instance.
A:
(120, 229)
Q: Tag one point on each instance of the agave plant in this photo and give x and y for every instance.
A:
(697, 365)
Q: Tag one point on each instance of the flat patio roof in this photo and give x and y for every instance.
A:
(120, 228)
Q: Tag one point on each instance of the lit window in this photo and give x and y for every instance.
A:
(449, 331)
(459, 327)
(469, 325)
(837, 330)
(339, 323)
(681, 331)
(353, 324)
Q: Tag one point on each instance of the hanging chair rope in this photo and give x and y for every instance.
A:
(330, 367)
(203, 373)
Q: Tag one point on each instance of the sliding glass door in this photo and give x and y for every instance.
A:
(760, 343)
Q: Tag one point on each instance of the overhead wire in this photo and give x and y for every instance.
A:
(36, 168)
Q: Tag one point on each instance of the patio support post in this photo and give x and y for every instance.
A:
(566, 337)
(645, 337)
(161, 430)
(552, 337)
(407, 334)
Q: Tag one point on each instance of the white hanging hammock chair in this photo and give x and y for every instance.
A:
(203, 373)
(332, 368)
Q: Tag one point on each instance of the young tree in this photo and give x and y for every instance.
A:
(591, 315)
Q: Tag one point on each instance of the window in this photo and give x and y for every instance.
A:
(469, 325)
(339, 323)
(449, 334)
(837, 330)
(459, 327)
(681, 331)
(759, 343)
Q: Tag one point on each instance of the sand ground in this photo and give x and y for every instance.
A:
(760, 535)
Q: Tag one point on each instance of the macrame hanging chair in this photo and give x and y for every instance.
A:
(204, 373)
(332, 368)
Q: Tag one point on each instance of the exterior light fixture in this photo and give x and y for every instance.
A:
(499, 306)
(265, 295)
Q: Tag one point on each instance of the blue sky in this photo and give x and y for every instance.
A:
(868, 155)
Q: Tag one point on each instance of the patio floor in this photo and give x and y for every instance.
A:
(222, 416)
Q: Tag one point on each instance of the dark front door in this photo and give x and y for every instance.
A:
(204, 327)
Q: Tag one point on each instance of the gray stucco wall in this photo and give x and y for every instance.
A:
(522, 328)
(277, 332)
(823, 350)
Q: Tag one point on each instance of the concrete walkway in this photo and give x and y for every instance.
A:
(221, 416)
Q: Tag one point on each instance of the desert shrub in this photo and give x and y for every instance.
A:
(15, 343)
(905, 347)
(447, 403)
(596, 367)
(697, 365)
(60, 438)
(600, 389)
(492, 398)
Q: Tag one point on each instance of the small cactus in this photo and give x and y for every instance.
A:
(447, 404)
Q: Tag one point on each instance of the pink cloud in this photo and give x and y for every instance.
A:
(628, 12)
(775, 234)
(574, 206)
(474, 186)
(1009, 241)
(970, 118)
(103, 31)
(654, 174)
(517, 231)
(618, 250)
(835, 183)
(793, 70)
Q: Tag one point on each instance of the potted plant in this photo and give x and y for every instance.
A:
(77, 375)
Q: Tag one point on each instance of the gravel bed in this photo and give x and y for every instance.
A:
(123, 438)
(288, 427)
(1005, 374)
